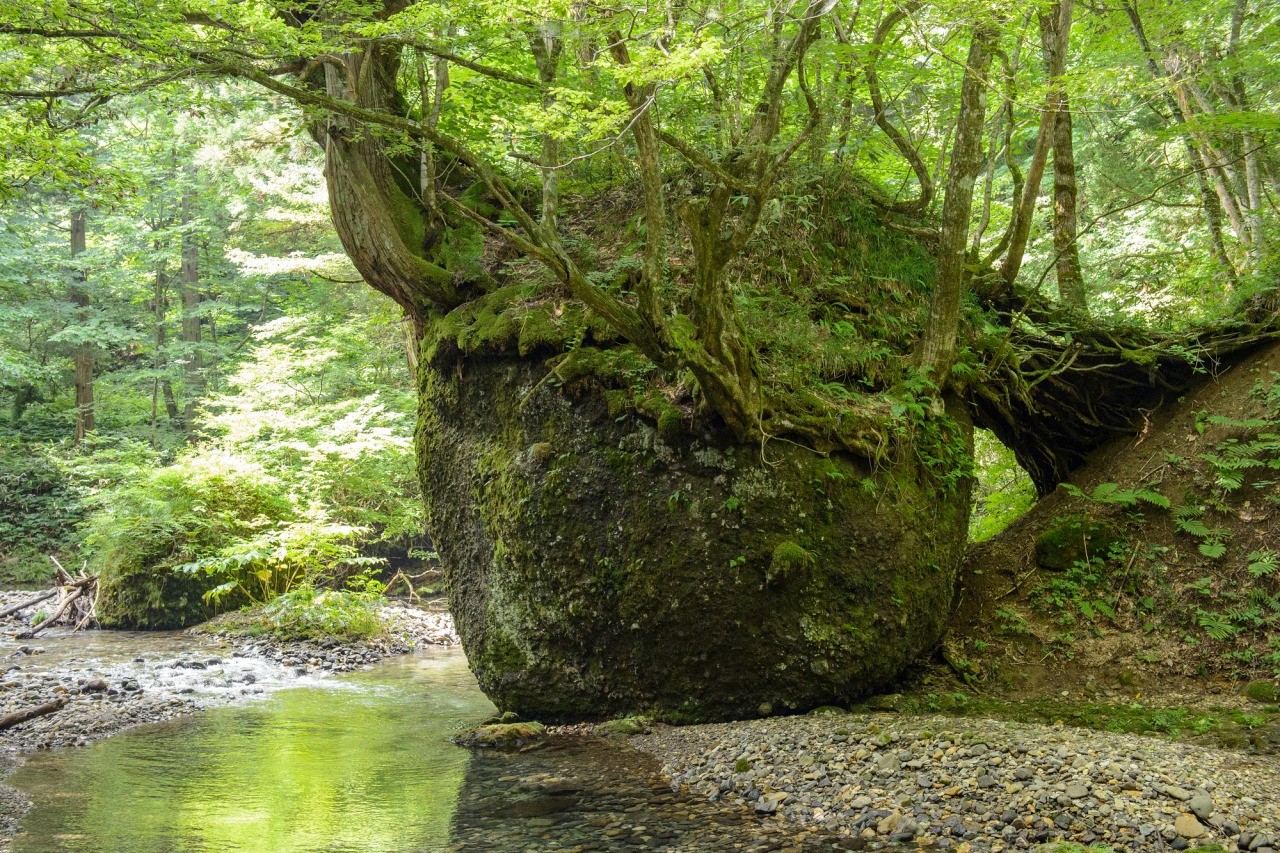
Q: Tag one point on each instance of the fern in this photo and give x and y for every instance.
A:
(1263, 563)
(1216, 625)
(1213, 549)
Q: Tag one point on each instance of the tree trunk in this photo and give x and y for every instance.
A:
(1055, 37)
(1059, 23)
(189, 289)
(938, 347)
(82, 355)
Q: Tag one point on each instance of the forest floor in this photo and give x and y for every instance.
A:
(112, 680)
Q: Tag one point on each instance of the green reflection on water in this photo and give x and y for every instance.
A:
(365, 766)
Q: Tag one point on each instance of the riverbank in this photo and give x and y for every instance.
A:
(112, 680)
(978, 785)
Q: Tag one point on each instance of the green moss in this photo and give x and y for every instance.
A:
(788, 558)
(624, 727)
(462, 251)
(617, 402)
(1223, 727)
(504, 737)
(1263, 691)
(474, 197)
(1074, 540)
(742, 765)
(670, 421)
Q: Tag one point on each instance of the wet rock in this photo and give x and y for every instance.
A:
(504, 737)
(768, 803)
(1201, 806)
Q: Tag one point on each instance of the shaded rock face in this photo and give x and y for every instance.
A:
(597, 566)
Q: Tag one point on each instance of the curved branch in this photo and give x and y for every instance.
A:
(899, 139)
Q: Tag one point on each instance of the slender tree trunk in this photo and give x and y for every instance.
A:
(1212, 210)
(547, 46)
(82, 356)
(1055, 35)
(1055, 61)
(189, 288)
(938, 347)
(161, 383)
(1065, 200)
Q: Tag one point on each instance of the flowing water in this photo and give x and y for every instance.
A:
(362, 762)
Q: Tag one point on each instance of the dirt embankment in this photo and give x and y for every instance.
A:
(1154, 574)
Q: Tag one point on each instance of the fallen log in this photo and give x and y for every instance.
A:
(44, 596)
(10, 720)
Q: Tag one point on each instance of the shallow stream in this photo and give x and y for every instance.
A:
(362, 762)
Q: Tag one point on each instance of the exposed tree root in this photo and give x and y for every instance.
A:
(1055, 392)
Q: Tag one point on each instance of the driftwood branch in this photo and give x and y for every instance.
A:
(44, 596)
(77, 601)
(10, 720)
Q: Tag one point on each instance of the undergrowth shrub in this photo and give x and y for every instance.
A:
(141, 532)
(278, 556)
(308, 613)
(39, 510)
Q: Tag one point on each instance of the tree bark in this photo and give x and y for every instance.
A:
(82, 355)
(10, 720)
(1055, 62)
(546, 45)
(1056, 37)
(189, 289)
(938, 347)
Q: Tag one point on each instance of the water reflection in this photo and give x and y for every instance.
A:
(309, 769)
(366, 765)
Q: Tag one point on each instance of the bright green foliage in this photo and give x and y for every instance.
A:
(272, 561)
(145, 531)
(308, 613)
(1002, 491)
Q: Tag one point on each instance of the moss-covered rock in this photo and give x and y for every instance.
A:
(624, 727)
(1074, 540)
(599, 566)
(504, 737)
(1267, 692)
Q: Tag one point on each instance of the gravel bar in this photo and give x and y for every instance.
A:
(977, 785)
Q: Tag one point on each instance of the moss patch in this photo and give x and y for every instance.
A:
(1074, 540)
(1221, 727)
(1267, 692)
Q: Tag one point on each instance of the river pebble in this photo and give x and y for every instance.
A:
(977, 785)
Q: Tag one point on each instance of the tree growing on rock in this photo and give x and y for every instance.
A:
(706, 301)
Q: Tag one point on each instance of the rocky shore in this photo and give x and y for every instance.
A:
(977, 785)
(111, 681)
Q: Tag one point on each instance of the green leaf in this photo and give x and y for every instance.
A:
(1213, 549)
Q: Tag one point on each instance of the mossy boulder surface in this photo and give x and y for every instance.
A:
(1074, 540)
(601, 566)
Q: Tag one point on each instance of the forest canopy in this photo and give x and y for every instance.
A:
(1064, 165)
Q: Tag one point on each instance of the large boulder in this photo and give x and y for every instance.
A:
(599, 563)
